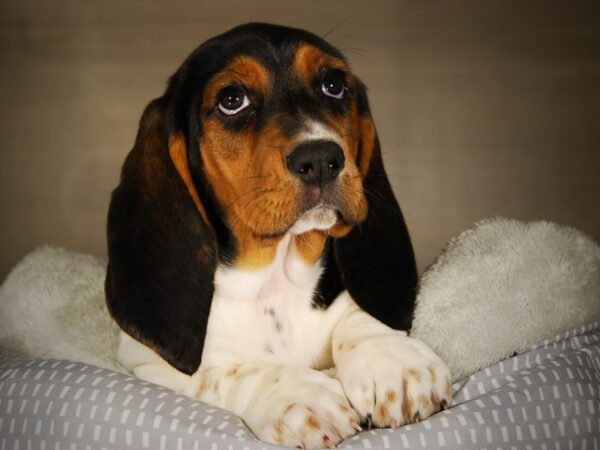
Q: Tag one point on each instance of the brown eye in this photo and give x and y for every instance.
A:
(232, 100)
(333, 85)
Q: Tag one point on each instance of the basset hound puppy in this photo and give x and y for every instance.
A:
(254, 241)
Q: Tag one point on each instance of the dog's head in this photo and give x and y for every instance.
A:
(281, 132)
(264, 131)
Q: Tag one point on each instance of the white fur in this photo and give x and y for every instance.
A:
(267, 315)
(320, 217)
(386, 375)
(318, 131)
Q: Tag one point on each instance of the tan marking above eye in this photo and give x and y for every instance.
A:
(309, 61)
(242, 71)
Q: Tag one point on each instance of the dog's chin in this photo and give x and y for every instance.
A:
(321, 217)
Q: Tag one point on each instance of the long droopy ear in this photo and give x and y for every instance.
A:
(376, 260)
(161, 247)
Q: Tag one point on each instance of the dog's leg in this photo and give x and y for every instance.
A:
(292, 406)
(390, 378)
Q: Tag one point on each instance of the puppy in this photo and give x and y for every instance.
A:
(254, 241)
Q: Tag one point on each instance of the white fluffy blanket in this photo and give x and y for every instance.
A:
(496, 289)
(503, 286)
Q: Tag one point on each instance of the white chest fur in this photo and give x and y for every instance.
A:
(267, 315)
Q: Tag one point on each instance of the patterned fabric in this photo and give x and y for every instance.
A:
(545, 398)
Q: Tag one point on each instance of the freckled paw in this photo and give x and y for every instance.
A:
(304, 410)
(302, 426)
(394, 380)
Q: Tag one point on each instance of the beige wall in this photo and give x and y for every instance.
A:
(483, 108)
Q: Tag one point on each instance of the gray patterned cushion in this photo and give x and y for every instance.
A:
(544, 398)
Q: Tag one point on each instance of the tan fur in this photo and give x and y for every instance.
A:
(178, 153)
(312, 422)
(243, 71)
(308, 60)
(413, 373)
(433, 374)
(408, 406)
(310, 245)
(232, 371)
(391, 396)
(279, 431)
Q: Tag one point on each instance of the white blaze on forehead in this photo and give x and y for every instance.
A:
(318, 131)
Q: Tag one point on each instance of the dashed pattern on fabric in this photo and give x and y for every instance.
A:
(545, 398)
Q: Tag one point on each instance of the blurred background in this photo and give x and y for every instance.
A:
(483, 108)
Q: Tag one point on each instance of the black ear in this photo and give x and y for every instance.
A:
(161, 248)
(375, 260)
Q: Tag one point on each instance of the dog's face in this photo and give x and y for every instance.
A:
(280, 137)
(263, 132)
(283, 132)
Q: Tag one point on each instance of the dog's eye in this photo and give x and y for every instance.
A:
(333, 85)
(232, 100)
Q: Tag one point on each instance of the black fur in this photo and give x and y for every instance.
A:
(163, 255)
(375, 261)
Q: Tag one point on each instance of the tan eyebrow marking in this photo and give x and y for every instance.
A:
(243, 70)
(309, 60)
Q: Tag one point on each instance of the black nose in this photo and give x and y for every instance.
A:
(316, 162)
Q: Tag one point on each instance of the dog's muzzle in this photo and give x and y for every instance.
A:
(318, 164)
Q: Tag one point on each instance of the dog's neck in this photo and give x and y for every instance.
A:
(304, 241)
(288, 265)
(269, 314)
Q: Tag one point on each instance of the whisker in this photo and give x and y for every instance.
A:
(350, 133)
(337, 25)
(380, 196)
(256, 192)
(253, 177)
(266, 205)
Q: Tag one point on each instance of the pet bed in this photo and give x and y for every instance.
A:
(513, 308)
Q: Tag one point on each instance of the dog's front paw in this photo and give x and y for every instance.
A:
(393, 379)
(301, 408)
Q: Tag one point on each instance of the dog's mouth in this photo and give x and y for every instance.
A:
(316, 208)
(322, 208)
(320, 217)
